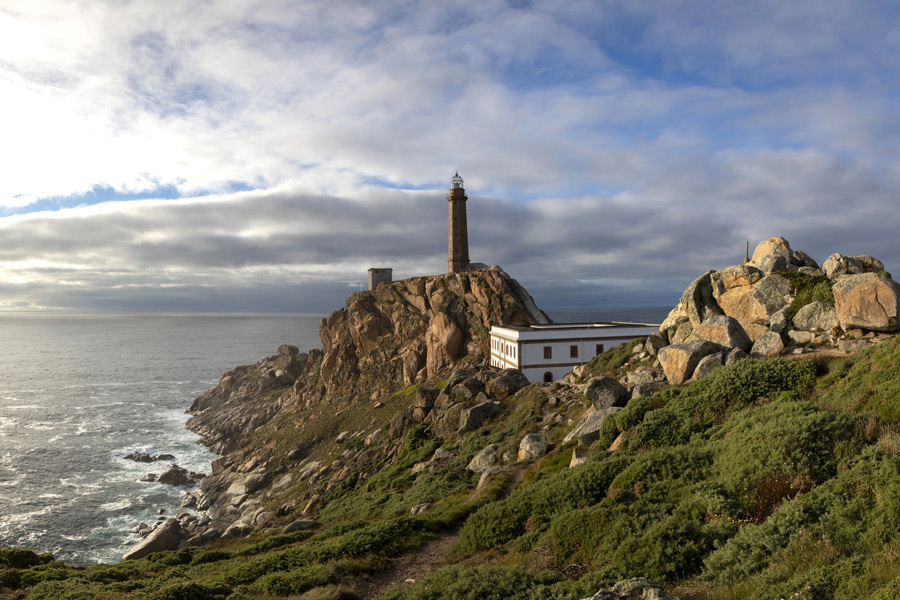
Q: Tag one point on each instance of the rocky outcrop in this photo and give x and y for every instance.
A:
(838, 264)
(409, 331)
(867, 301)
(402, 332)
(762, 295)
(239, 403)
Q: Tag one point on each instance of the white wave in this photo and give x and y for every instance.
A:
(120, 504)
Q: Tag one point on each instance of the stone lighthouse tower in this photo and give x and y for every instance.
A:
(458, 236)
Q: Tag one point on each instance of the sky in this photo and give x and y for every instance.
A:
(260, 156)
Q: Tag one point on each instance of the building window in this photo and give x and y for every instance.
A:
(599, 348)
(548, 377)
(548, 352)
(573, 351)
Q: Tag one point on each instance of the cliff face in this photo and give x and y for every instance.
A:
(409, 331)
(401, 333)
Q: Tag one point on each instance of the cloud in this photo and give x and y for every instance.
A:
(612, 150)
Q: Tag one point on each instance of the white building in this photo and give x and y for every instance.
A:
(548, 352)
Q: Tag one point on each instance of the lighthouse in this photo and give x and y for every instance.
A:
(458, 234)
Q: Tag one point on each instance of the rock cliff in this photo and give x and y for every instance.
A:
(400, 333)
(409, 331)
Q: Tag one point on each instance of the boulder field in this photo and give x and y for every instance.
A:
(778, 301)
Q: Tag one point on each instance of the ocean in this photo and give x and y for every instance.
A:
(80, 392)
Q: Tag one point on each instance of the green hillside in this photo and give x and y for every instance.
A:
(768, 478)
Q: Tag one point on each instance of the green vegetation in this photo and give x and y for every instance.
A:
(767, 479)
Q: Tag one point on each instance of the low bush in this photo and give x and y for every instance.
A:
(496, 583)
(384, 538)
(191, 590)
(69, 589)
(534, 506)
(18, 558)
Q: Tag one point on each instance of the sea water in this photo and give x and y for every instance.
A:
(79, 393)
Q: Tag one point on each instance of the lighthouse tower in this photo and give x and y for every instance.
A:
(458, 234)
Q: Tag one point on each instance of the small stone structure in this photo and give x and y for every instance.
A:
(377, 276)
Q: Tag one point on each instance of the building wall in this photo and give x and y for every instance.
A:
(377, 276)
(525, 350)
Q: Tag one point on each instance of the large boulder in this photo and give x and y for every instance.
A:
(605, 392)
(645, 390)
(167, 536)
(655, 341)
(472, 418)
(506, 383)
(837, 265)
(723, 330)
(708, 364)
(697, 303)
(745, 293)
(731, 289)
(587, 430)
(679, 331)
(768, 344)
(867, 301)
(679, 361)
(533, 445)
(485, 459)
(774, 246)
(816, 316)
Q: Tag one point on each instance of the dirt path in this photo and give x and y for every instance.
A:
(406, 569)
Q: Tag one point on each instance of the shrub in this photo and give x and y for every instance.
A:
(609, 362)
(269, 542)
(462, 583)
(184, 590)
(210, 556)
(870, 385)
(9, 578)
(35, 575)
(384, 538)
(299, 580)
(18, 558)
(70, 589)
(503, 521)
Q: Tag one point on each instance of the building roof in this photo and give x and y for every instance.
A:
(575, 326)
